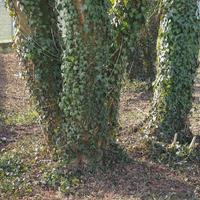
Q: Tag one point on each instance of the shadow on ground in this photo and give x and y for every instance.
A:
(12, 133)
(133, 181)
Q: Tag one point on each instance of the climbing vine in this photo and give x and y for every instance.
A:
(178, 47)
(75, 79)
(37, 44)
(129, 18)
(91, 82)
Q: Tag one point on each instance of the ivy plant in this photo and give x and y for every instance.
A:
(177, 61)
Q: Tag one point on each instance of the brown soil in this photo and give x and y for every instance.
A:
(13, 94)
(14, 97)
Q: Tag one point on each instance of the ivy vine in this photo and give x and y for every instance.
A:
(91, 82)
(73, 72)
(178, 48)
(38, 47)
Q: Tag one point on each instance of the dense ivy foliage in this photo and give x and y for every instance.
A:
(76, 84)
(178, 47)
(37, 43)
(131, 22)
(143, 60)
(91, 82)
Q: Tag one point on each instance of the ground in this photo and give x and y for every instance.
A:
(27, 170)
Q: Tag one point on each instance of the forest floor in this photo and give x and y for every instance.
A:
(28, 172)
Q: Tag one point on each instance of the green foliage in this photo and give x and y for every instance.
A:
(11, 165)
(135, 86)
(22, 164)
(25, 118)
(91, 83)
(61, 179)
(143, 58)
(128, 17)
(132, 21)
(37, 41)
(11, 168)
(178, 47)
(76, 94)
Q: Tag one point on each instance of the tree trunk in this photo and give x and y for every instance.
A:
(91, 86)
(78, 100)
(37, 44)
(178, 47)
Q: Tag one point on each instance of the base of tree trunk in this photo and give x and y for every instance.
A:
(184, 136)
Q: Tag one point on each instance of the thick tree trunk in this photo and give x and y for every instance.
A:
(89, 79)
(178, 47)
(37, 45)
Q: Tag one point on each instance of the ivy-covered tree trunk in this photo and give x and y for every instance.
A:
(178, 47)
(129, 20)
(37, 44)
(77, 94)
(90, 81)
